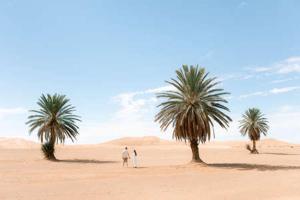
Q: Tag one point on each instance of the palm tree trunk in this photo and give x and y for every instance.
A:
(52, 142)
(195, 151)
(254, 150)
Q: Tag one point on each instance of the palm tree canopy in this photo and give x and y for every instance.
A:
(193, 106)
(55, 116)
(253, 123)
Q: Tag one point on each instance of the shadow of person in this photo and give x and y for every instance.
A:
(87, 161)
(246, 166)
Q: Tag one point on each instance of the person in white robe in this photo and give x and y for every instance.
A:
(134, 158)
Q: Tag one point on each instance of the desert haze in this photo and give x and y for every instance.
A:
(164, 172)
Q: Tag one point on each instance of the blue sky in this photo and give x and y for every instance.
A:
(110, 57)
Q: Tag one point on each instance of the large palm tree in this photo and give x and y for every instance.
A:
(253, 123)
(193, 107)
(54, 121)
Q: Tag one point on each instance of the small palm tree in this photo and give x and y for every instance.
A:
(55, 122)
(193, 107)
(253, 124)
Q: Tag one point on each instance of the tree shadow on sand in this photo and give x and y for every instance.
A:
(87, 161)
(281, 154)
(246, 166)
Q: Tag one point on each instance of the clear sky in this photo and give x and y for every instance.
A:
(110, 57)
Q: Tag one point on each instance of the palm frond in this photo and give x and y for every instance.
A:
(253, 123)
(54, 119)
(193, 106)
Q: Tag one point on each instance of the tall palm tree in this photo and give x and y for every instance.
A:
(253, 123)
(54, 121)
(193, 107)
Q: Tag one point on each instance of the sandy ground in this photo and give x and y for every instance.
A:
(96, 172)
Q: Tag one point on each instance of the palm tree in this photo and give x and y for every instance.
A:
(253, 124)
(55, 122)
(193, 107)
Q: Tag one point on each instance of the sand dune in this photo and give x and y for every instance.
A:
(262, 143)
(152, 140)
(17, 143)
(95, 171)
(138, 141)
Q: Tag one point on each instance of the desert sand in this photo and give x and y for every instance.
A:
(96, 172)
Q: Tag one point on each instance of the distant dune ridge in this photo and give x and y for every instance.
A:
(262, 143)
(19, 143)
(138, 141)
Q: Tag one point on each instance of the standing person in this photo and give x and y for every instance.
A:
(134, 158)
(125, 156)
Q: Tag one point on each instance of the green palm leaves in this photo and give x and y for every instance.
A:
(253, 123)
(193, 106)
(54, 120)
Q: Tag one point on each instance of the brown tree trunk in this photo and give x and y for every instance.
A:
(52, 157)
(195, 151)
(52, 141)
(254, 150)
